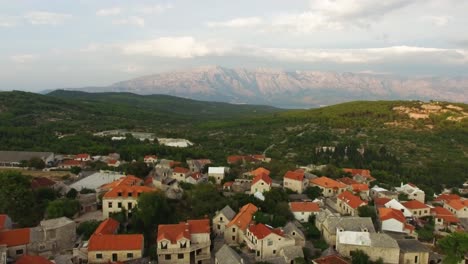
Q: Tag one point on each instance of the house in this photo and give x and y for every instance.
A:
(360, 189)
(16, 158)
(180, 173)
(417, 208)
(413, 251)
(28, 259)
(197, 165)
(347, 180)
(349, 203)
(444, 219)
(375, 245)
(292, 231)
(52, 236)
(265, 241)
(16, 241)
(123, 195)
(379, 192)
(413, 192)
(227, 186)
(398, 206)
(113, 163)
(187, 242)
(150, 159)
(360, 175)
(458, 207)
(394, 221)
(329, 224)
(261, 183)
(261, 158)
(235, 230)
(195, 178)
(68, 164)
(380, 202)
(328, 186)
(105, 245)
(303, 210)
(256, 172)
(221, 219)
(332, 259)
(82, 157)
(227, 255)
(295, 181)
(445, 198)
(217, 173)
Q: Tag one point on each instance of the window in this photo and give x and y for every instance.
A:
(270, 242)
(98, 256)
(415, 259)
(163, 245)
(19, 252)
(221, 218)
(130, 194)
(274, 251)
(109, 204)
(183, 245)
(180, 256)
(114, 257)
(219, 227)
(52, 233)
(130, 205)
(129, 255)
(119, 194)
(233, 230)
(167, 257)
(233, 238)
(119, 205)
(293, 233)
(258, 253)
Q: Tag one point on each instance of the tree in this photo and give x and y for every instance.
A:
(36, 163)
(16, 197)
(138, 168)
(153, 210)
(454, 246)
(87, 190)
(87, 228)
(75, 170)
(72, 193)
(62, 207)
(359, 257)
(367, 211)
(313, 192)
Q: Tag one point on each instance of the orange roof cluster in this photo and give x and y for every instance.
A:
(445, 214)
(415, 204)
(28, 259)
(359, 172)
(327, 183)
(347, 180)
(352, 200)
(260, 171)
(458, 204)
(181, 230)
(264, 177)
(390, 213)
(260, 231)
(304, 207)
(333, 259)
(360, 187)
(180, 170)
(297, 175)
(129, 186)
(15, 237)
(447, 197)
(244, 217)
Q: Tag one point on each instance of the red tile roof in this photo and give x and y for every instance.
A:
(196, 176)
(175, 232)
(294, 175)
(108, 227)
(347, 180)
(82, 156)
(458, 204)
(260, 231)
(15, 237)
(381, 201)
(76, 163)
(228, 184)
(352, 200)
(40, 182)
(390, 213)
(115, 242)
(27, 259)
(260, 171)
(244, 217)
(445, 214)
(304, 207)
(181, 170)
(360, 187)
(333, 259)
(125, 186)
(327, 183)
(414, 204)
(446, 197)
(235, 159)
(263, 177)
(360, 172)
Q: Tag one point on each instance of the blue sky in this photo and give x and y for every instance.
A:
(57, 44)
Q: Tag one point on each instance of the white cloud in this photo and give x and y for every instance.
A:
(439, 21)
(175, 47)
(23, 58)
(45, 18)
(237, 22)
(113, 11)
(153, 9)
(132, 21)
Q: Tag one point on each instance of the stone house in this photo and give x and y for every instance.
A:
(292, 231)
(398, 206)
(265, 241)
(412, 191)
(197, 165)
(235, 230)
(413, 251)
(303, 210)
(375, 245)
(348, 203)
(180, 173)
(16, 241)
(150, 159)
(394, 221)
(184, 243)
(227, 255)
(217, 173)
(360, 175)
(457, 207)
(261, 183)
(328, 186)
(221, 219)
(295, 181)
(444, 219)
(52, 236)
(331, 259)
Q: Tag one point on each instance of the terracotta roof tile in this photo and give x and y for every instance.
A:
(457, 204)
(415, 204)
(108, 227)
(28, 259)
(227, 184)
(360, 172)
(333, 259)
(445, 214)
(446, 197)
(244, 217)
(180, 170)
(360, 187)
(352, 200)
(381, 201)
(115, 242)
(260, 231)
(175, 232)
(263, 177)
(304, 207)
(15, 237)
(260, 171)
(40, 182)
(76, 163)
(390, 213)
(199, 226)
(347, 180)
(294, 175)
(128, 186)
(147, 157)
(82, 156)
(3, 219)
(327, 183)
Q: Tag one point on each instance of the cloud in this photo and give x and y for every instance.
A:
(237, 22)
(132, 21)
(153, 9)
(439, 21)
(8, 21)
(23, 58)
(45, 18)
(175, 47)
(113, 11)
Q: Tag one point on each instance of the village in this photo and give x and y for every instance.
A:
(333, 220)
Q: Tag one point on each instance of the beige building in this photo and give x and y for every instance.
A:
(375, 245)
(413, 192)
(221, 219)
(302, 211)
(328, 186)
(413, 251)
(106, 246)
(180, 174)
(235, 230)
(349, 203)
(457, 207)
(184, 243)
(295, 181)
(217, 173)
(417, 208)
(261, 183)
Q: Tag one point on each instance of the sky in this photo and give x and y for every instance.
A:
(75, 43)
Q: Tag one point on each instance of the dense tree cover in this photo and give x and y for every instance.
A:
(138, 168)
(454, 247)
(368, 211)
(72, 193)
(62, 207)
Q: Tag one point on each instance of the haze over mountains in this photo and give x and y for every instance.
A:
(295, 89)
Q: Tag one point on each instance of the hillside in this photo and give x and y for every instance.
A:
(290, 89)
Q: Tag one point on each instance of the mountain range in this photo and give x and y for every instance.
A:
(290, 89)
